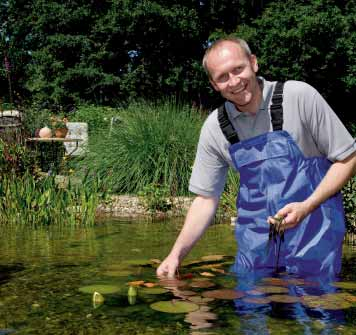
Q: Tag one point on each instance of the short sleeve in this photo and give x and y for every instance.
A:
(330, 135)
(210, 166)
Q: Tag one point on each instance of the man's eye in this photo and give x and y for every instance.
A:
(222, 78)
(237, 70)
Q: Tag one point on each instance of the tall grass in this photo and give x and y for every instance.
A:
(153, 143)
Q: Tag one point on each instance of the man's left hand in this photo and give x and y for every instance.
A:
(292, 214)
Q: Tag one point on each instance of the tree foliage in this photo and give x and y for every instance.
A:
(109, 52)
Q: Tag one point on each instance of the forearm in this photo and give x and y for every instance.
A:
(336, 177)
(198, 218)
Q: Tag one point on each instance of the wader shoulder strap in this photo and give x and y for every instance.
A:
(226, 125)
(276, 107)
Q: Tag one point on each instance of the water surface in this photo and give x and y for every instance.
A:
(42, 270)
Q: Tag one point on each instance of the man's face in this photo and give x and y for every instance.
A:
(233, 74)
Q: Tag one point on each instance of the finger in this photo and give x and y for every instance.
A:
(161, 271)
(271, 220)
(171, 272)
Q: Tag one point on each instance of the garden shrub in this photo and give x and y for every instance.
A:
(153, 143)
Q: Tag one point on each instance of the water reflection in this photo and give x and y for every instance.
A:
(42, 271)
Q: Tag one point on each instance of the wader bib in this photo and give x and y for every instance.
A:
(274, 172)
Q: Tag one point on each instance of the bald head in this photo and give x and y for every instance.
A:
(220, 44)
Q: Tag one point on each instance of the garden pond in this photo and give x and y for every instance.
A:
(101, 280)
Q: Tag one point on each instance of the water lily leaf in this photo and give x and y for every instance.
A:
(312, 301)
(137, 262)
(223, 294)
(345, 285)
(208, 266)
(183, 293)
(275, 281)
(155, 261)
(172, 282)
(296, 281)
(207, 274)
(136, 283)
(254, 292)
(199, 317)
(117, 273)
(101, 288)
(272, 289)
(218, 270)
(202, 283)
(174, 306)
(283, 298)
(200, 300)
(213, 257)
(350, 298)
(332, 301)
(256, 300)
(153, 290)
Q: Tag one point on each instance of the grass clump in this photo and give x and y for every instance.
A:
(152, 144)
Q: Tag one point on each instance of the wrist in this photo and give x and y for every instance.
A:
(310, 204)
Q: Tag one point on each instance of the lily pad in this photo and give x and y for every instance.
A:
(101, 288)
(213, 258)
(254, 292)
(330, 301)
(174, 306)
(153, 290)
(223, 294)
(202, 283)
(184, 293)
(283, 298)
(208, 266)
(272, 289)
(256, 300)
(207, 274)
(345, 285)
(200, 300)
(138, 262)
(296, 281)
(275, 281)
(117, 273)
(172, 282)
(200, 318)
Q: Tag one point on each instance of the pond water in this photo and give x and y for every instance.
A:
(48, 276)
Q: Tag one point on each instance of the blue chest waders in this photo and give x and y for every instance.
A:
(274, 172)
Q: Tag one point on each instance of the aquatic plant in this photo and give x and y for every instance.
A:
(276, 235)
(41, 201)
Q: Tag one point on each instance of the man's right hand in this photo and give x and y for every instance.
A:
(199, 216)
(168, 267)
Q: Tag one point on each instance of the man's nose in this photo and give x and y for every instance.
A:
(233, 79)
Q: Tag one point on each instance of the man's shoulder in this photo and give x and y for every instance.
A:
(299, 88)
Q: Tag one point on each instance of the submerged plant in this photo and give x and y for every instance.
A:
(276, 236)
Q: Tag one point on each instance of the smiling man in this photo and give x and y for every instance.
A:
(293, 155)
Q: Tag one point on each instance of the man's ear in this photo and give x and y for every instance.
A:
(214, 85)
(254, 63)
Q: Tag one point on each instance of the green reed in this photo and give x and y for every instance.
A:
(151, 144)
(42, 201)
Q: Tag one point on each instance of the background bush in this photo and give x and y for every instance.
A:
(152, 143)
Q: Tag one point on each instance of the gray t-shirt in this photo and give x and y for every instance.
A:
(306, 117)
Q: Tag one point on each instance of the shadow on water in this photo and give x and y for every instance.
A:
(48, 281)
(7, 271)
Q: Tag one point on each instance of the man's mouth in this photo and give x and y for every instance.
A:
(239, 89)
